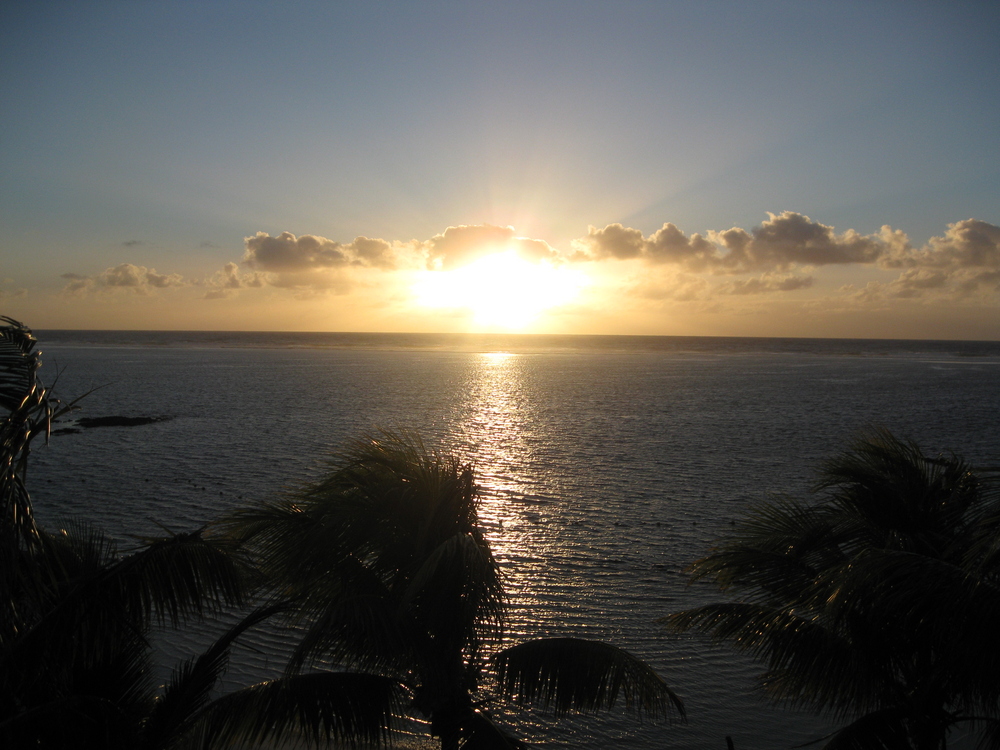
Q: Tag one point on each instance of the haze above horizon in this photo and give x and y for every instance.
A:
(679, 168)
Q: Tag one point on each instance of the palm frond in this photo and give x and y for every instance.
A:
(879, 730)
(172, 577)
(989, 733)
(30, 409)
(320, 707)
(18, 363)
(572, 674)
(776, 553)
(358, 629)
(457, 593)
(191, 684)
(806, 661)
(480, 732)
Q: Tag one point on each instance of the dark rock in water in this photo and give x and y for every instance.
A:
(113, 421)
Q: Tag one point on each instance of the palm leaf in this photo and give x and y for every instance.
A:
(571, 674)
(806, 661)
(190, 686)
(320, 707)
(457, 592)
(482, 733)
(172, 577)
(358, 629)
(18, 363)
(879, 730)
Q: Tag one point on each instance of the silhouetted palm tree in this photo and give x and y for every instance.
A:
(75, 665)
(878, 602)
(27, 410)
(391, 575)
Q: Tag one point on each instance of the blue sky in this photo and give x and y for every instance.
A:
(144, 145)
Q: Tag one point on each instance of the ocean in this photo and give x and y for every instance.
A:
(608, 464)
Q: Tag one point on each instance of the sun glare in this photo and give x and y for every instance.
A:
(501, 290)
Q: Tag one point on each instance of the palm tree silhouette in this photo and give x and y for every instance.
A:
(878, 603)
(391, 575)
(76, 615)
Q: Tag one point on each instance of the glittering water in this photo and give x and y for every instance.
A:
(608, 464)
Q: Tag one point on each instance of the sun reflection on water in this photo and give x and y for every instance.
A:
(497, 429)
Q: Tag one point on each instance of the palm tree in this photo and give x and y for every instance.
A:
(75, 668)
(391, 575)
(77, 614)
(28, 409)
(878, 602)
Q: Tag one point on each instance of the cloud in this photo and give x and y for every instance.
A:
(138, 279)
(131, 243)
(791, 239)
(666, 245)
(785, 253)
(287, 253)
(462, 244)
(313, 262)
(784, 241)
(765, 284)
(678, 287)
(225, 282)
(966, 244)
(963, 262)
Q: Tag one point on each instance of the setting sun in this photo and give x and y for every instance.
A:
(501, 290)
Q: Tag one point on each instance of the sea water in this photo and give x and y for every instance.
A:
(607, 464)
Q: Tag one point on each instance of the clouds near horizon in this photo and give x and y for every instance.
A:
(787, 256)
(137, 279)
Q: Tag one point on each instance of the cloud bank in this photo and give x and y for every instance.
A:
(964, 261)
(788, 256)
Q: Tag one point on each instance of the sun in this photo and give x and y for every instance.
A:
(501, 291)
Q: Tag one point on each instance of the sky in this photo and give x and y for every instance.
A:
(820, 169)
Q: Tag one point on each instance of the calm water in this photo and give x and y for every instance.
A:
(608, 463)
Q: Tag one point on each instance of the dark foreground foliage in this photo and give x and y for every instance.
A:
(390, 574)
(878, 600)
(383, 560)
(76, 614)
